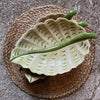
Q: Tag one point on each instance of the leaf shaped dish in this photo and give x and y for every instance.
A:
(47, 33)
(32, 77)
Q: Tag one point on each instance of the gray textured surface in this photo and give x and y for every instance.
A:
(88, 9)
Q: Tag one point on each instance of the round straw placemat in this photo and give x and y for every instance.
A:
(50, 87)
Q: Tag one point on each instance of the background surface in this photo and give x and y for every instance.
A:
(88, 9)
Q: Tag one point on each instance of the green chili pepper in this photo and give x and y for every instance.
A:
(78, 38)
(70, 14)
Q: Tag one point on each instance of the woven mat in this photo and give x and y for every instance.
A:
(50, 87)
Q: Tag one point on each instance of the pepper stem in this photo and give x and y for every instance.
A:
(70, 14)
(83, 24)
